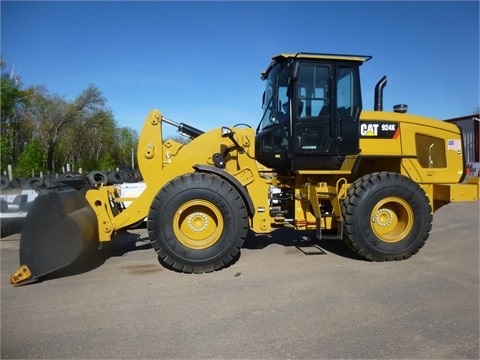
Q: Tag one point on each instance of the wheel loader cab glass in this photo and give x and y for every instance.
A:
(313, 92)
(348, 100)
(275, 101)
(311, 115)
(272, 140)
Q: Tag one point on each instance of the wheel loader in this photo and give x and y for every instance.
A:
(316, 162)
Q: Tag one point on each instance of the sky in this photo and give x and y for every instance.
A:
(200, 62)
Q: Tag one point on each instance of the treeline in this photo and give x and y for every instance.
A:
(42, 132)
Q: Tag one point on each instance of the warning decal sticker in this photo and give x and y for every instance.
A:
(454, 145)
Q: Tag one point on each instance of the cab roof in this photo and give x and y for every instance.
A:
(302, 55)
(314, 56)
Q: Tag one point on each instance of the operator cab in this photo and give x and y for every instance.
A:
(312, 105)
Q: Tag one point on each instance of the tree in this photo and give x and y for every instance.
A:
(5, 153)
(82, 132)
(16, 129)
(31, 159)
(127, 142)
(96, 149)
(53, 116)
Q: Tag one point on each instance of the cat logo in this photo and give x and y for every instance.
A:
(369, 129)
(379, 130)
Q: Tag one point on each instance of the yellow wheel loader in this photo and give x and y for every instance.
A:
(316, 161)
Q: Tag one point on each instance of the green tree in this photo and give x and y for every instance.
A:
(31, 159)
(107, 162)
(82, 132)
(16, 129)
(5, 154)
(97, 146)
(54, 116)
(127, 142)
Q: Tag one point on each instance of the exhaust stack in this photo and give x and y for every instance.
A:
(378, 106)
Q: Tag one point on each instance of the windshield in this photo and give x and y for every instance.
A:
(275, 99)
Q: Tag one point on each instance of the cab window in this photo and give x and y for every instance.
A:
(347, 102)
(313, 91)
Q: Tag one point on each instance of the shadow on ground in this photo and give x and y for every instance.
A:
(304, 241)
(125, 241)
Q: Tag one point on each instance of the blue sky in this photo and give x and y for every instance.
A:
(200, 62)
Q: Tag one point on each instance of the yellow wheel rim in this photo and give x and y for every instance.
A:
(392, 219)
(198, 224)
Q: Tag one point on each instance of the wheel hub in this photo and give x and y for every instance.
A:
(198, 221)
(383, 217)
(392, 219)
(198, 224)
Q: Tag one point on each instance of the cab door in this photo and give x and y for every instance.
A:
(324, 117)
(347, 110)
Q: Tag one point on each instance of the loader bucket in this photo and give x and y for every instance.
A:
(58, 229)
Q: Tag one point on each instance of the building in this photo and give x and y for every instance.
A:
(470, 126)
(471, 135)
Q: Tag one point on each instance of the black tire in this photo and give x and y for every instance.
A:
(4, 182)
(97, 178)
(130, 176)
(138, 175)
(386, 216)
(67, 175)
(49, 180)
(36, 183)
(25, 183)
(115, 177)
(197, 223)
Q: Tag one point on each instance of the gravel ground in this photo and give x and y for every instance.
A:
(275, 302)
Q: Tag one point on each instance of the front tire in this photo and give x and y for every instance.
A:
(387, 217)
(197, 223)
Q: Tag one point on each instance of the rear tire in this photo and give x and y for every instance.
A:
(387, 217)
(197, 223)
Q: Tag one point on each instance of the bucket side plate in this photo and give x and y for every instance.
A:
(59, 227)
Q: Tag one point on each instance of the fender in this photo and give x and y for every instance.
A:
(232, 180)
